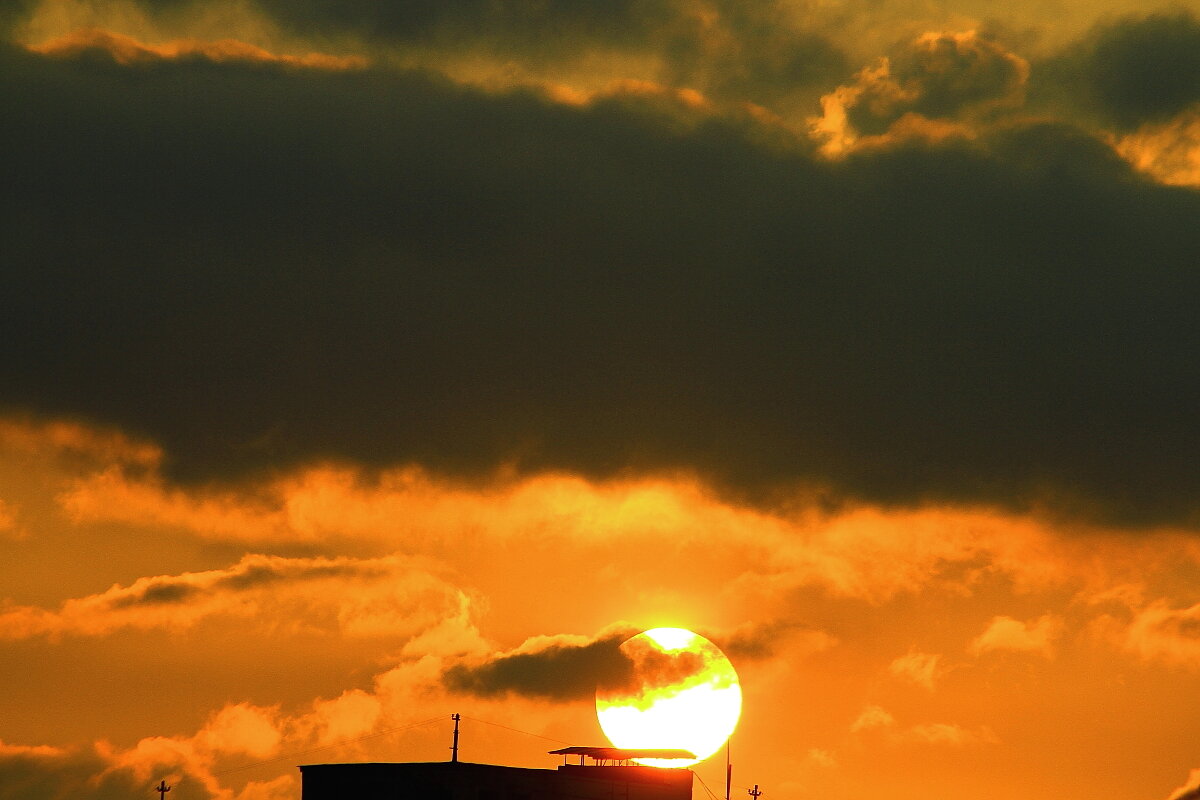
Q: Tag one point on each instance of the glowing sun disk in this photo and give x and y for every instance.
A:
(685, 695)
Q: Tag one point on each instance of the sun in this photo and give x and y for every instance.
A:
(683, 693)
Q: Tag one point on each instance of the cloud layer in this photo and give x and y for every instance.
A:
(465, 279)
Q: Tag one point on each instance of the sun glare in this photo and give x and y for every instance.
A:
(685, 694)
(669, 639)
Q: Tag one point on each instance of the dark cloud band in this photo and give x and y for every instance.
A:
(258, 266)
(559, 672)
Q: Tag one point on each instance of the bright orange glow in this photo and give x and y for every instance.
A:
(685, 695)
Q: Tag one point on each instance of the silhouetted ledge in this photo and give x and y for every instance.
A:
(465, 781)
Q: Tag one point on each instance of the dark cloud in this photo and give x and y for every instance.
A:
(162, 593)
(26, 774)
(251, 576)
(937, 75)
(14, 12)
(757, 640)
(556, 672)
(613, 665)
(1127, 72)
(1190, 794)
(730, 50)
(514, 25)
(258, 266)
(1148, 69)
(251, 573)
(653, 669)
(750, 52)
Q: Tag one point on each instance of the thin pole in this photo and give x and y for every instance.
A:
(454, 747)
(728, 770)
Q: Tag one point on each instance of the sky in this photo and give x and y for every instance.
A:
(364, 363)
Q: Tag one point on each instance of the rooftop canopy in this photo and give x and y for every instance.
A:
(619, 754)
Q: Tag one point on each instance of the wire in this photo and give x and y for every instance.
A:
(516, 730)
(289, 756)
(705, 785)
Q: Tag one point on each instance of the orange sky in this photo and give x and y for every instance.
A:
(362, 364)
(152, 630)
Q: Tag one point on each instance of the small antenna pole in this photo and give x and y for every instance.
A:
(162, 790)
(728, 770)
(755, 793)
(454, 747)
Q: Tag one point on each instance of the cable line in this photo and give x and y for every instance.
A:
(702, 783)
(289, 756)
(517, 730)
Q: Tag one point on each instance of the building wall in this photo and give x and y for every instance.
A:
(461, 781)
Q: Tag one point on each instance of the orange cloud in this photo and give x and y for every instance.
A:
(38, 751)
(920, 668)
(27, 436)
(1190, 789)
(929, 90)
(872, 717)
(349, 715)
(1159, 632)
(1167, 151)
(389, 596)
(8, 522)
(1006, 633)
(237, 729)
(859, 551)
(242, 728)
(875, 718)
(127, 50)
(946, 733)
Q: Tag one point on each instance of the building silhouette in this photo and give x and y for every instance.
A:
(611, 775)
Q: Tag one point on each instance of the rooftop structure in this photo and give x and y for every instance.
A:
(448, 780)
(602, 756)
(610, 777)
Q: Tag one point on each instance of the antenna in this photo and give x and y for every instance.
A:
(454, 747)
(728, 770)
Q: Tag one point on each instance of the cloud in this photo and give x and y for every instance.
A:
(1145, 69)
(108, 773)
(9, 527)
(899, 328)
(22, 435)
(762, 640)
(920, 668)
(875, 718)
(944, 733)
(760, 55)
(244, 729)
(127, 50)
(1169, 151)
(1159, 632)
(29, 751)
(872, 717)
(939, 76)
(1008, 634)
(238, 729)
(388, 596)
(39, 771)
(351, 714)
(852, 551)
(560, 668)
(1190, 789)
